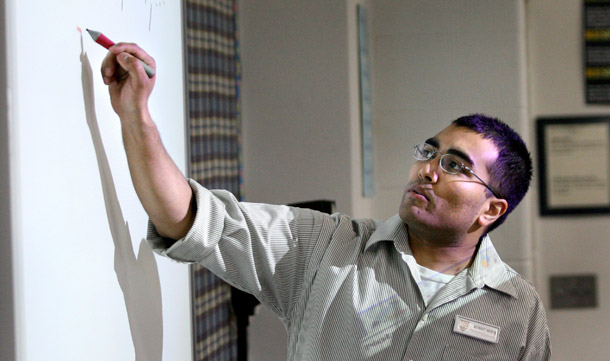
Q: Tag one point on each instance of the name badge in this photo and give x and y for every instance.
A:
(476, 329)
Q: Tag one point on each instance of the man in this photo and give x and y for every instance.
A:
(427, 284)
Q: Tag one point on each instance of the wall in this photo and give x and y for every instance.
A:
(436, 61)
(296, 89)
(86, 284)
(567, 245)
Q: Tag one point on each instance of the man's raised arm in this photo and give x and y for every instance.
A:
(161, 187)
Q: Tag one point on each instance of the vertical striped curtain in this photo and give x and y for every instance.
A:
(212, 91)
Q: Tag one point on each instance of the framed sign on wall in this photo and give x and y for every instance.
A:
(574, 165)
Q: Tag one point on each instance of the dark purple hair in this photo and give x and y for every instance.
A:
(511, 173)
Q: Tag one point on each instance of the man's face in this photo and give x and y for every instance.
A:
(446, 206)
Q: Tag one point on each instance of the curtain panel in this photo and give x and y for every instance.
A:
(212, 82)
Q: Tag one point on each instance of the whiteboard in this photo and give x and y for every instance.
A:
(87, 287)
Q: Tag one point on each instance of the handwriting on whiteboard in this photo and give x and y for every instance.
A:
(156, 4)
(149, 4)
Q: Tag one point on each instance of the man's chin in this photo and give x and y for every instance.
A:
(411, 214)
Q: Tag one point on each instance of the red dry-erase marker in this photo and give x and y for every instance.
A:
(107, 43)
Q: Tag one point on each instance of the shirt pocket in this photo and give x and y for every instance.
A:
(452, 354)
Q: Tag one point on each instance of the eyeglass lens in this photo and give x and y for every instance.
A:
(449, 163)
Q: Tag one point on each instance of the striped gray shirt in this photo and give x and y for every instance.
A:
(343, 291)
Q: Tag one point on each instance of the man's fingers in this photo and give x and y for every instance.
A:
(135, 51)
(124, 58)
(131, 64)
(109, 66)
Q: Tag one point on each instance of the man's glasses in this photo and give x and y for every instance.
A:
(450, 163)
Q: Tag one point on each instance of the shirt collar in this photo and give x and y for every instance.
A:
(486, 269)
(393, 229)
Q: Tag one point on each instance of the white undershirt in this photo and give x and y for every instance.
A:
(429, 281)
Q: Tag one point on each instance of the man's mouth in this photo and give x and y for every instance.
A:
(419, 192)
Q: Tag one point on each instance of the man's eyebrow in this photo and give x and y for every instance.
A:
(436, 144)
(462, 155)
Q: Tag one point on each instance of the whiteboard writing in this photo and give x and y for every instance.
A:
(148, 7)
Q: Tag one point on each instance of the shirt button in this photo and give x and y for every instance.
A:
(425, 317)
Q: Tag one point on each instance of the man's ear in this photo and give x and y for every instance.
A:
(495, 209)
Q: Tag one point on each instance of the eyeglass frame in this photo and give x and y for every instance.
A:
(440, 163)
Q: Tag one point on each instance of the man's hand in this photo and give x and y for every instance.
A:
(128, 83)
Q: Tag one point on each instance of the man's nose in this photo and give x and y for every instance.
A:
(429, 171)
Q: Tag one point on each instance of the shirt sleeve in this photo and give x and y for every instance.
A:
(538, 343)
(268, 251)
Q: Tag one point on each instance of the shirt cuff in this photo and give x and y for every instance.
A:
(205, 232)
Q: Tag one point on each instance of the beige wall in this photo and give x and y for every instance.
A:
(567, 245)
(295, 101)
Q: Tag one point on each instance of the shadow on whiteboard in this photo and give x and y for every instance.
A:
(138, 277)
